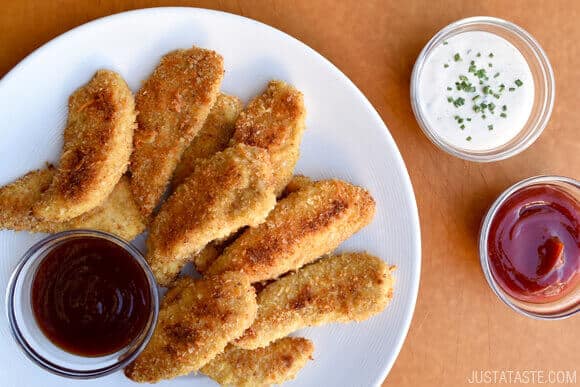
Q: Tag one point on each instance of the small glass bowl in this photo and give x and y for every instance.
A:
(542, 73)
(555, 310)
(38, 347)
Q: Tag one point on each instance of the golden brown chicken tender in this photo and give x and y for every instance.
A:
(230, 190)
(274, 121)
(197, 319)
(98, 140)
(213, 137)
(343, 288)
(277, 363)
(117, 215)
(173, 105)
(308, 223)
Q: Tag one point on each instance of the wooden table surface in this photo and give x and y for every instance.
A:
(459, 325)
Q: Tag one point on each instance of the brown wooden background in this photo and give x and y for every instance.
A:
(459, 326)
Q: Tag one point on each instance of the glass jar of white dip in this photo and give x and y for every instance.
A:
(482, 89)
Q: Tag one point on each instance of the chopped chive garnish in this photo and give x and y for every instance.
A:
(490, 127)
(458, 102)
(449, 88)
(468, 138)
(501, 87)
(518, 83)
(496, 75)
(445, 65)
(475, 98)
(503, 115)
(462, 127)
(468, 119)
(445, 42)
(457, 57)
(490, 65)
(460, 121)
(449, 99)
(496, 96)
(478, 54)
(484, 116)
(491, 55)
(511, 88)
(463, 78)
(504, 108)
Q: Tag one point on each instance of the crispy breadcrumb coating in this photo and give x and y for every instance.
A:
(274, 121)
(343, 288)
(308, 223)
(213, 137)
(98, 140)
(277, 363)
(295, 184)
(117, 215)
(173, 105)
(230, 190)
(197, 318)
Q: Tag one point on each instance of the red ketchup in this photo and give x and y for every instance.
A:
(534, 244)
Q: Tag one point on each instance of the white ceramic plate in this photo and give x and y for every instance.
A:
(345, 138)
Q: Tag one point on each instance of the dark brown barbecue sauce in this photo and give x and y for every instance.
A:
(90, 297)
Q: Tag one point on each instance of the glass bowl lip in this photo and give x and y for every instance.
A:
(538, 126)
(140, 342)
(484, 232)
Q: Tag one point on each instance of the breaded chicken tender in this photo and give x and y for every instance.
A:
(343, 288)
(308, 223)
(98, 141)
(230, 190)
(277, 363)
(296, 183)
(197, 318)
(274, 121)
(117, 215)
(173, 105)
(213, 137)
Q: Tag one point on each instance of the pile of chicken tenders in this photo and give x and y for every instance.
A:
(259, 236)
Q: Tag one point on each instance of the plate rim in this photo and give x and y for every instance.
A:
(407, 183)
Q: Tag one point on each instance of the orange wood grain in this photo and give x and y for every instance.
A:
(459, 325)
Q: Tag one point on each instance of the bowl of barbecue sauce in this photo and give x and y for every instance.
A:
(82, 303)
(530, 247)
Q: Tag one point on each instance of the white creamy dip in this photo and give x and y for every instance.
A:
(476, 91)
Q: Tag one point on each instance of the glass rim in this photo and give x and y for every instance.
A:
(537, 126)
(139, 342)
(483, 237)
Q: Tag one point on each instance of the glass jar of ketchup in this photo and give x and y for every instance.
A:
(530, 247)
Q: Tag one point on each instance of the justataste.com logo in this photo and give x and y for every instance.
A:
(522, 377)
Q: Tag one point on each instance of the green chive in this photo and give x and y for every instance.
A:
(475, 98)
(518, 83)
(457, 57)
(445, 42)
(463, 78)
(462, 127)
(504, 108)
(490, 127)
(449, 99)
(511, 88)
(503, 115)
(468, 138)
(496, 75)
(484, 116)
(445, 65)
(490, 65)
(468, 119)
(491, 55)
(478, 54)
